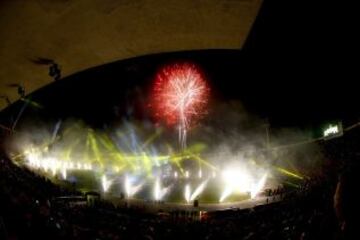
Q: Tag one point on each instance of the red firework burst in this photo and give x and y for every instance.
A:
(180, 94)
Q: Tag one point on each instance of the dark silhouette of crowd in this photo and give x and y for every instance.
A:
(28, 209)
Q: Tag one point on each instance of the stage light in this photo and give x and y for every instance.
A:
(237, 179)
(187, 193)
(258, 187)
(64, 173)
(105, 183)
(198, 190)
(157, 190)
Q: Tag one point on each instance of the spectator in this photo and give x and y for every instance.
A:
(346, 203)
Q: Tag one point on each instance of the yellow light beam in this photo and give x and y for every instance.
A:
(204, 162)
(288, 173)
(95, 149)
(151, 139)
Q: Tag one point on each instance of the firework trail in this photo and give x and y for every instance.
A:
(180, 96)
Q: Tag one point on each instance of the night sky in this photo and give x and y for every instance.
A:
(294, 70)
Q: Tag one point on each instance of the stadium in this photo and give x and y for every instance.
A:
(177, 129)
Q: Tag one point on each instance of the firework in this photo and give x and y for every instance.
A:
(105, 183)
(198, 190)
(180, 96)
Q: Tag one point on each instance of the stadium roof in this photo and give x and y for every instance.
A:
(82, 34)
